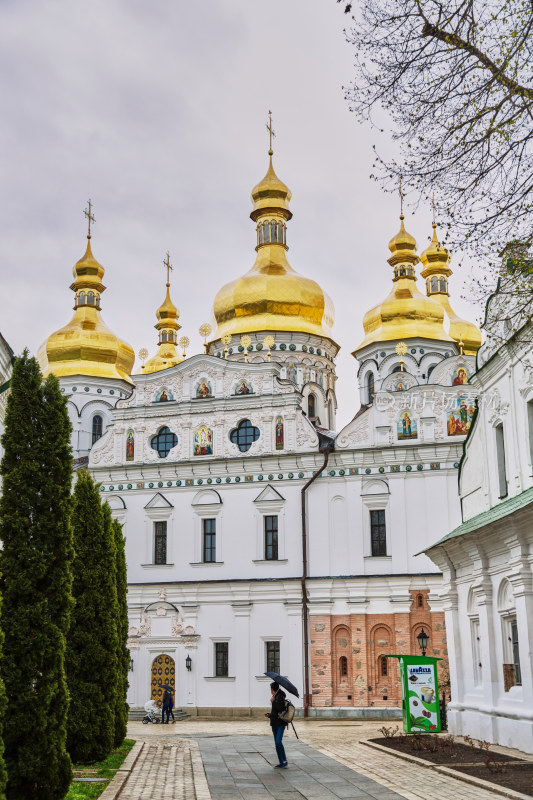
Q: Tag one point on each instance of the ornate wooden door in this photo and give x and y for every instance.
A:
(163, 671)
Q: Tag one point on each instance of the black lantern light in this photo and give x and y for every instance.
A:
(131, 664)
(423, 639)
(188, 663)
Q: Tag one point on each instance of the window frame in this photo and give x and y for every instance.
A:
(220, 643)
(265, 508)
(381, 541)
(96, 416)
(501, 461)
(161, 524)
(167, 433)
(212, 547)
(274, 545)
(379, 501)
(249, 435)
(277, 666)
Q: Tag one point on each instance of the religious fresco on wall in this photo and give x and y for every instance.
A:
(164, 396)
(460, 417)
(243, 388)
(400, 387)
(203, 389)
(130, 445)
(461, 377)
(203, 441)
(292, 374)
(407, 427)
(279, 433)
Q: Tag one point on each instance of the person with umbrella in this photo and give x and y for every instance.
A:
(167, 704)
(278, 725)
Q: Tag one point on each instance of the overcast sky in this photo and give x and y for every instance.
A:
(156, 111)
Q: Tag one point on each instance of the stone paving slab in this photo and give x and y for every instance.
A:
(329, 761)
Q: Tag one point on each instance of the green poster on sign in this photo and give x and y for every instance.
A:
(420, 693)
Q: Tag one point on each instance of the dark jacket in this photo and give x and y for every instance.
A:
(278, 704)
(167, 697)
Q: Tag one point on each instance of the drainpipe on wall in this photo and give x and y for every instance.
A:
(326, 450)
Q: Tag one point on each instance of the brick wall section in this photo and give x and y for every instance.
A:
(361, 638)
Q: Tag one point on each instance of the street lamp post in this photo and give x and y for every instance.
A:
(423, 639)
(188, 663)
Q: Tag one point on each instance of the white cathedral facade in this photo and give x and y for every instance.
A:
(258, 537)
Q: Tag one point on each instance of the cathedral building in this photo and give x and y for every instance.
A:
(258, 537)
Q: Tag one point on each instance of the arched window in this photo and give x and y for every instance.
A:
(370, 387)
(343, 666)
(442, 285)
(311, 406)
(419, 601)
(266, 229)
(164, 336)
(397, 368)
(81, 299)
(273, 232)
(430, 370)
(383, 666)
(434, 284)
(90, 298)
(164, 442)
(259, 234)
(97, 427)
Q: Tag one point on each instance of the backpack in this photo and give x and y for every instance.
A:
(287, 715)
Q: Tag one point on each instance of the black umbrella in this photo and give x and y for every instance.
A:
(283, 681)
(165, 686)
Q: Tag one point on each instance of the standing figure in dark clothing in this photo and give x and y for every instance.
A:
(278, 726)
(167, 697)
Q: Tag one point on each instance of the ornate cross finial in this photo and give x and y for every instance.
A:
(271, 132)
(90, 217)
(400, 192)
(169, 267)
(434, 209)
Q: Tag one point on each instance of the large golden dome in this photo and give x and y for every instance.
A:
(405, 313)
(86, 346)
(167, 326)
(272, 296)
(437, 270)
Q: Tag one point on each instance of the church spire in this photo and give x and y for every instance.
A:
(167, 326)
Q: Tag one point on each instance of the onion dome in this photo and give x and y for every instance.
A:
(272, 296)
(437, 270)
(167, 326)
(86, 346)
(405, 313)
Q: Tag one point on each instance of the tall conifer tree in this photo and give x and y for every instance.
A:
(92, 642)
(36, 564)
(123, 655)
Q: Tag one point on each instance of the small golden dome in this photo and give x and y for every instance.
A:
(406, 313)
(437, 270)
(272, 296)
(168, 326)
(86, 346)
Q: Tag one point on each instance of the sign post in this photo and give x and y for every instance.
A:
(420, 693)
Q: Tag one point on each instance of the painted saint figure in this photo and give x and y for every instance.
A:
(203, 441)
(243, 388)
(407, 427)
(279, 433)
(461, 377)
(163, 397)
(203, 390)
(130, 446)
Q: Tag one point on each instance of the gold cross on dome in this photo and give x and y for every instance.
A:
(434, 209)
(169, 267)
(400, 192)
(271, 131)
(90, 217)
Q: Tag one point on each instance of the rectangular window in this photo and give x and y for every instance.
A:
(271, 538)
(160, 543)
(500, 455)
(272, 657)
(221, 659)
(476, 652)
(516, 654)
(378, 534)
(209, 544)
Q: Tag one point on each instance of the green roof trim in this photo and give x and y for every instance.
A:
(5, 386)
(488, 517)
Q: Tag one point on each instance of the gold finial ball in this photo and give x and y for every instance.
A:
(401, 348)
(205, 329)
(185, 342)
(226, 339)
(268, 341)
(143, 354)
(246, 341)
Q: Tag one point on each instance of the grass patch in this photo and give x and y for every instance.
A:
(104, 769)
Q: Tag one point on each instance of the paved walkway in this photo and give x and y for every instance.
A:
(217, 760)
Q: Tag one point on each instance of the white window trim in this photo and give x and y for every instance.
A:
(212, 664)
(269, 508)
(375, 502)
(475, 647)
(158, 515)
(208, 511)
(263, 655)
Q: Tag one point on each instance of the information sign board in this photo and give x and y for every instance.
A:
(420, 693)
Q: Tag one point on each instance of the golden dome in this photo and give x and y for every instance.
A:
(437, 270)
(86, 346)
(168, 326)
(405, 313)
(272, 296)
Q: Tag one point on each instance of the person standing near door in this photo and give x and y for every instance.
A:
(167, 697)
(277, 698)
